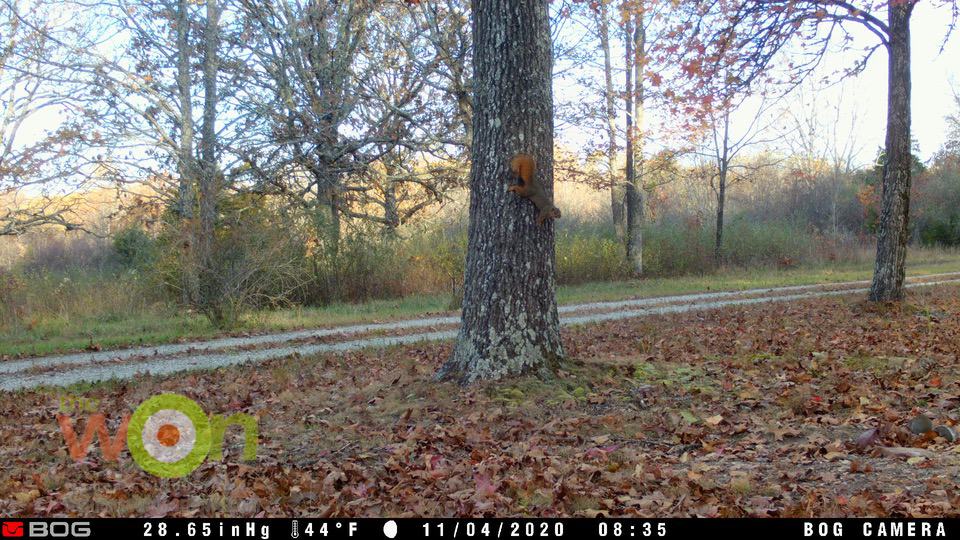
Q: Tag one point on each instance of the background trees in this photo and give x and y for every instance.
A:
(308, 82)
(350, 111)
(300, 152)
(724, 149)
(718, 39)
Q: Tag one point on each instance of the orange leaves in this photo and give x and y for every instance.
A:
(692, 68)
(750, 39)
(869, 198)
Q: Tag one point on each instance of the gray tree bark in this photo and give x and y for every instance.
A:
(616, 188)
(186, 166)
(210, 177)
(890, 264)
(509, 321)
(723, 166)
(636, 44)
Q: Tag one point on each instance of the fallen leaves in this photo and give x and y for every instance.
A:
(790, 410)
(714, 420)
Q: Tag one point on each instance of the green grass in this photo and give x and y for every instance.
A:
(164, 325)
(739, 279)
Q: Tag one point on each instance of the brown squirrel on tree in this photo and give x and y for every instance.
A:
(525, 168)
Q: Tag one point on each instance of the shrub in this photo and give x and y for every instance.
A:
(937, 208)
(436, 258)
(55, 251)
(590, 255)
(134, 248)
(368, 265)
(258, 261)
(12, 298)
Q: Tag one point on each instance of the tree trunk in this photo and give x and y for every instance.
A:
(889, 269)
(329, 178)
(723, 167)
(835, 200)
(336, 228)
(721, 203)
(391, 209)
(210, 177)
(616, 189)
(186, 167)
(634, 143)
(328, 196)
(509, 322)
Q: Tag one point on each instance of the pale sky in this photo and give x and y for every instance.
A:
(863, 95)
(933, 74)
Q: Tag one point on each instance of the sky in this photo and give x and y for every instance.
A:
(931, 98)
(862, 96)
(935, 73)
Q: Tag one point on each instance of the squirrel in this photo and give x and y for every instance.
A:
(525, 168)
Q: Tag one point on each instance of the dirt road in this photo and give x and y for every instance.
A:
(62, 370)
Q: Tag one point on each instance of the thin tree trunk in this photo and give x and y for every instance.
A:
(509, 322)
(889, 270)
(723, 167)
(836, 199)
(210, 179)
(616, 189)
(635, 145)
(185, 167)
(721, 203)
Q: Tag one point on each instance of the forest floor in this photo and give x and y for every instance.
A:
(770, 409)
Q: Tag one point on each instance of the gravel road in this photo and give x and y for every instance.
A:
(62, 370)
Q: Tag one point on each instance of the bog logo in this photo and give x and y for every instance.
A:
(168, 435)
(12, 529)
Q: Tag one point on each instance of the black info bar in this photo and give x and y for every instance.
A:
(477, 528)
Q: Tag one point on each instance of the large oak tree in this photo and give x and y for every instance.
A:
(509, 322)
